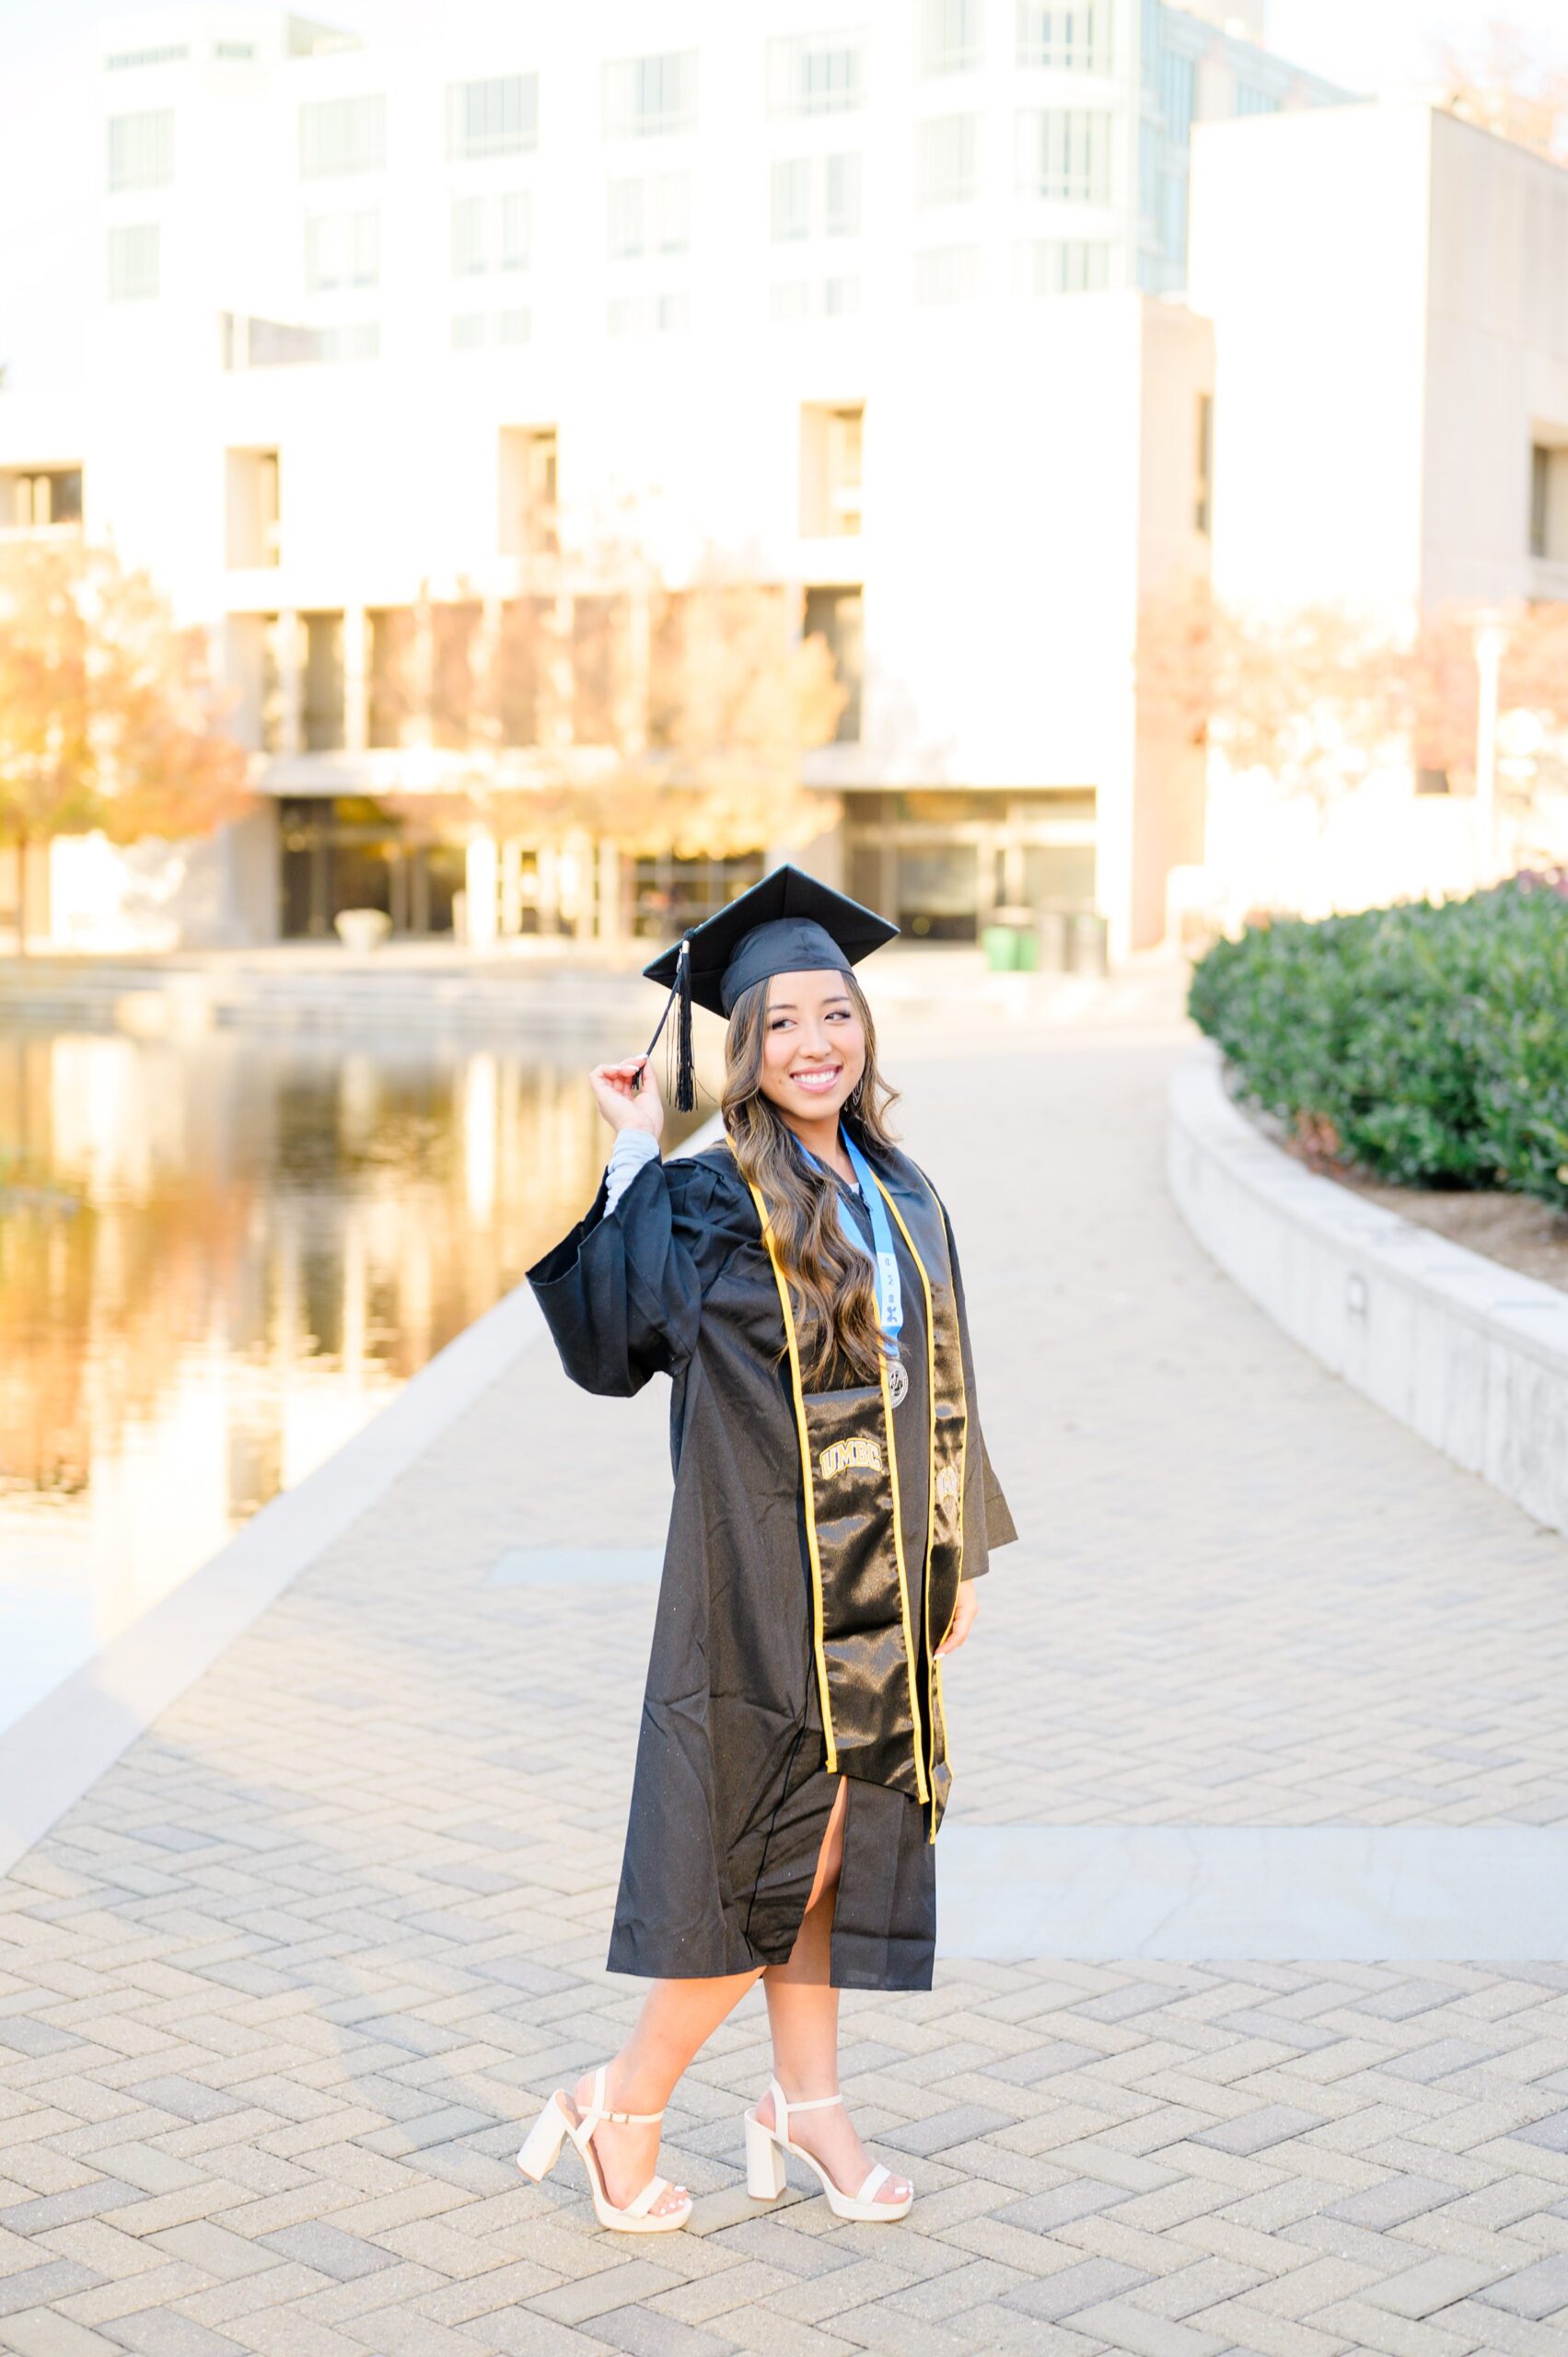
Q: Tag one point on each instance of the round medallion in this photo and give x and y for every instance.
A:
(897, 1382)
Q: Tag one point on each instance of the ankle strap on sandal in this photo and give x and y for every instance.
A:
(783, 2107)
(599, 2111)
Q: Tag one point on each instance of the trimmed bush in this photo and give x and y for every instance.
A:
(1427, 1044)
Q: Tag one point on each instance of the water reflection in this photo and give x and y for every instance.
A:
(217, 1258)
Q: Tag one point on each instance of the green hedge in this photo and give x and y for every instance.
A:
(1432, 1041)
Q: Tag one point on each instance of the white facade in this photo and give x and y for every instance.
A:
(361, 309)
(1388, 288)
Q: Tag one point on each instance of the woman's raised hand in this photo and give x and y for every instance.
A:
(612, 1084)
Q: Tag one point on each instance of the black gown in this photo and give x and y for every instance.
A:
(730, 1798)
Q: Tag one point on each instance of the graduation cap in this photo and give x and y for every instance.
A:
(786, 924)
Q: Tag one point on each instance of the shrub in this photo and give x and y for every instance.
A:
(1427, 1044)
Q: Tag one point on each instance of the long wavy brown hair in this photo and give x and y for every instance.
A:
(832, 1292)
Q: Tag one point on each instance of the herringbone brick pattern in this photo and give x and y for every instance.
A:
(276, 1995)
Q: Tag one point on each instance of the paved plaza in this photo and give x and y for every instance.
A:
(277, 1994)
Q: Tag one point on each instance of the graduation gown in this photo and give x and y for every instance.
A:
(731, 1793)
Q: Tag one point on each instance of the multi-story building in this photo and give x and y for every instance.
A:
(396, 350)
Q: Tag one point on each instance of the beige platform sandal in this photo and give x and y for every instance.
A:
(765, 2172)
(541, 2150)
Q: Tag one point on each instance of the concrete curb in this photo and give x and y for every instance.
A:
(1466, 1352)
(56, 1751)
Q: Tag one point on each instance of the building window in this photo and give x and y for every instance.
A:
(342, 136)
(343, 250)
(1250, 100)
(831, 449)
(235, 53)
(491, 233)
(1549, 502)
(393, 676)
(950, 36)
(816, 196)
(323, 683)
(524, 657)
(665, 313)
(1066, 40)
(650, 214)
(1065, 154)
(254, 507)
(946, 274)
(671, 894)
(499, 117)
(530, 485)
(141, 150)
(650, 97)
(480, 331)
(1062, 266)
(793, 300)
(946, 159)
(126, 60)
(836, 617)
(1179, 95)
(1204, 495)
(133, 263)
(33, 498)
(817, 73)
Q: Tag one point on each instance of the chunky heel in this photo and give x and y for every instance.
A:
(541, 2146)
(764, 2163)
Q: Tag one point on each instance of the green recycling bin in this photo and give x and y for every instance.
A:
(1010, 941)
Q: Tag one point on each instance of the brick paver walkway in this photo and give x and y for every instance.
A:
(275, 1996)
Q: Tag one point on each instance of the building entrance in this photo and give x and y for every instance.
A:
(939, 863)
(349, 852)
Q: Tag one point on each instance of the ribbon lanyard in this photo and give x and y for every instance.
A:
(889, 1293)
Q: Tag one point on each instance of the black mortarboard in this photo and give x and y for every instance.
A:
(787, 923)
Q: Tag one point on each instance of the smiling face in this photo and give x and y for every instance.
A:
(813, 1044)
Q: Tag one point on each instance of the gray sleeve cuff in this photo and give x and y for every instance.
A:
(632, 1149)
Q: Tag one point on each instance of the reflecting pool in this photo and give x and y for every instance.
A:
(218, 1258)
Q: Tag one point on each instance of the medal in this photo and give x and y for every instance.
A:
(897, 1382)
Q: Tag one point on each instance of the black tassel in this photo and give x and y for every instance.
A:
(680, 1075)
(683, 1080)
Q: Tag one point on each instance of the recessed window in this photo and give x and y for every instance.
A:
(1062, 266)
(1250, 100)
(832, 462)
(946, 274)
(492, 233)
(650, 214)
(33, 498)
(482, 330)
(946, 159)
(127, 60)
(650, 97)
(950, 36)
(817, 73)
(133, 263)
(341, 135)
(667, 313)
(816, 196)
(836, 616)
(1065, 40)
(1065, 154)
(498, 117)
(255, 528)
(529, 477)
(1203, 489)
(343, 250)
(1549, 502)
(141, 150)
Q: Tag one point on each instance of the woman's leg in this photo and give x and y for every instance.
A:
(803, 2013)
(677, 2017)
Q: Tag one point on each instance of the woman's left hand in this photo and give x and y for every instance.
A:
(964, 1614)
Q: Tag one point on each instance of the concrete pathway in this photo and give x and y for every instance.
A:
(276, 1995)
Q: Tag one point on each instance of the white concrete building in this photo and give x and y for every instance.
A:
(1388, 289)
(389, 345)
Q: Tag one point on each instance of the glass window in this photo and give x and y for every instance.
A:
(650, 214)
(1065, 154)
(650, 97)
(840, 196)
(792, 198)
(338, 135)
(815, 73)
(946, 159)
(946, 274)
(343, 250)
(1250, 100)
(668, 313)
(126, 58)
(493, 232)
(950, 37)
(141, 150)
(1071, 41)
(816, 196)
(133, 263)
(1179, 87)
(836, 616)
(498, 117)
(1062, 266)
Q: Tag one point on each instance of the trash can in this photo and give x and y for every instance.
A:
(1009, 942)
(1052, 938)
(1090, 943)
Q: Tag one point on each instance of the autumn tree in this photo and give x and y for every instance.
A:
(109, 715)
(1503, 83)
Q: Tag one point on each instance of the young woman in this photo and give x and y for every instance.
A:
(833, 1503)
